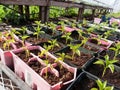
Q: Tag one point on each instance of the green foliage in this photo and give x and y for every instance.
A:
(62, 24)
(14, 31)
(67, 37)
(75, 49)
(24, 37)
(48, 65)
(102, 86)
(7, 43)
(38, 30)
(53, 43)
(62, 56)
(107, 34)
(52, 26)
(106, 64)
(116, 48)
(23, 29)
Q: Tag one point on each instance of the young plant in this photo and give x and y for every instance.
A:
(67, 37)
(62, 24)
(49, 65)
(1, 36)
(14, 31)
(75, 49)
(24, 37)
(80, 32)
(27, 52)
(62, 56)
(23, 29)
(53, 43)
(6, 44)
(102, 86)
(38, 30)
(107, 34)
(44, 52)
(52, 27)
(107, 64)
(116, 49)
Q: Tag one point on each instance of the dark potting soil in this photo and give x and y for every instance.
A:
(64, 75)
(91, 48)
(56, 48)
(111, 54)
(34, 40)
(113, 78)
(36, 66)
(18, 44)
(50, 32)
(44, 57)
(23, 56)
(79, 61)
(84, 84)
(63, 40)
(50, 60)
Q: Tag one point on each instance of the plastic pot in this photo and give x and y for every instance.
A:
(83, 50)
(97, 70)
(31, 77)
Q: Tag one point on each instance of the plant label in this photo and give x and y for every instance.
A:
(28, 78)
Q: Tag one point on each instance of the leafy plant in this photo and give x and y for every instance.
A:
(27, 52)
(116, 49)
(62, 56)
(23, 29)
(38, 30)
(52, 27)
(106, 64)
(6, 44)
(53, 43)
(107, 34)
(62, 24)
(15, 31)
(67, 37)
(48, 65)
(44, 52)
(102, 86)
(80, 32)
(75, 49)
(24, 37)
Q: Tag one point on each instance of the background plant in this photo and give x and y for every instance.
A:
(38, 30)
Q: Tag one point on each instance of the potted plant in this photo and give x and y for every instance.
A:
(35, 79)
(105, 70)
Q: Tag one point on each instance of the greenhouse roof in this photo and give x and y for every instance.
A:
(93, 3)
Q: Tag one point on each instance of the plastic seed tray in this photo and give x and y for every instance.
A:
(9, 81)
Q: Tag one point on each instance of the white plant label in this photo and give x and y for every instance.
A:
(28, 78)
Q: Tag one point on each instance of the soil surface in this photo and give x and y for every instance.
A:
(79, 61)
(91, 48)
(84, 84)
(34, 40)
(65, 76)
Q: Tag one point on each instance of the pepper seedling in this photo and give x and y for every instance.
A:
(107, 64)
(102, 86)
(67, 37)
(75, 49)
